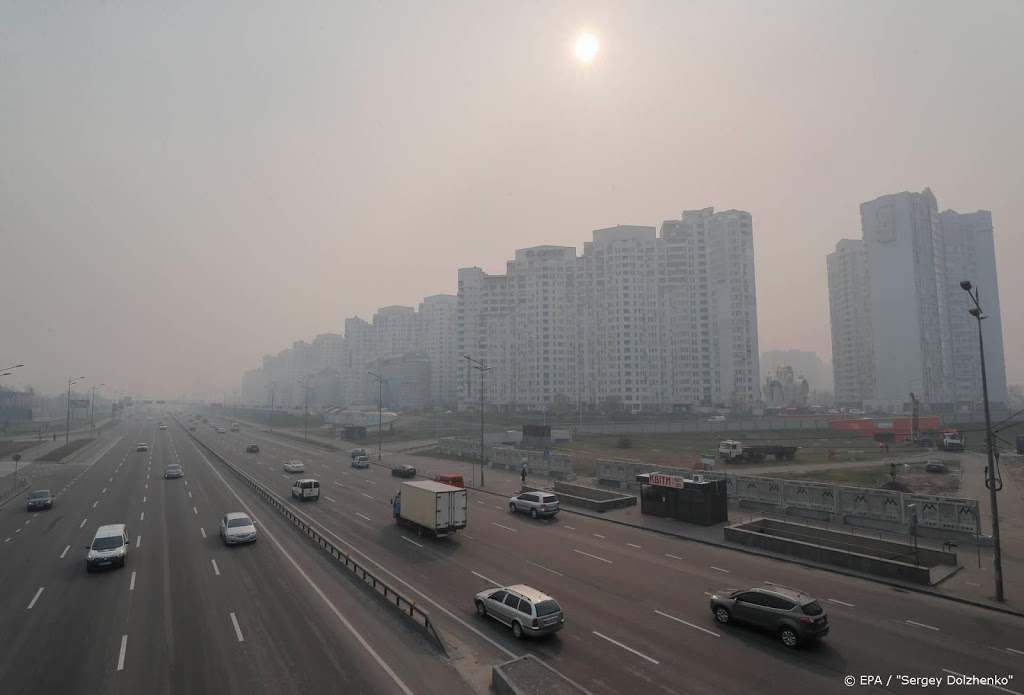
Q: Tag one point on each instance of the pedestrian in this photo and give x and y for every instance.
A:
(887, 447)
(523, 473)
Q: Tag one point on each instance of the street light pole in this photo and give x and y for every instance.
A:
(92, 410)
(305, 415)
(380, 413)
(992, 483)
(67, 423)
(481, 367)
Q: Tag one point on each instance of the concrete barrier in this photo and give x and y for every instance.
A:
(592, 498)
(528, 675)
(891, 569)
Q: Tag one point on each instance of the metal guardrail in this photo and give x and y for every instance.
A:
(8, 488)
(384, 590)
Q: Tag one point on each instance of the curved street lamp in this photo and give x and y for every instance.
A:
(67, 424)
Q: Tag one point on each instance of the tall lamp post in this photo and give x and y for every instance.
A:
(67, 424)
(380, 412)
(7, 371)
(305, 415)
(92, 409)
(272, 388)
(991, 482)
(481, 367)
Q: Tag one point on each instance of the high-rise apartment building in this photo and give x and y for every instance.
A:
(397, 329)
(651, 322)
(918, 336)
(437, 315)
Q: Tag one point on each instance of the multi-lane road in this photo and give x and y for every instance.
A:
(189, 615)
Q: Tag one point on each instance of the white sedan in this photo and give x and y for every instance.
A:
(294, 467)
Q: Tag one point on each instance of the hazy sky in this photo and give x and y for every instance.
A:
(185, 187)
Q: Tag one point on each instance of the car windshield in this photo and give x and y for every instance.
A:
(174, 467)
(549, 607)
(39, 494)
(238, 523)
(107, 543)
(812, 608)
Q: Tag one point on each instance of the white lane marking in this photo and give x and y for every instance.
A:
(674, 557)
(138, 542)
(494, 523)
(479, 502)
(120, 658)
(65, 552)
(486, 579)
(216, 570)
(329, 499)
(721, 570)
(35, 598)
(498, 506)
(593, 556)
(370, 482)
(195, 511)
(238, 630)
(1015, 651)
(571, 528)
(18, 530)
(190, 493)
(679, 620)
(911, 622)
(598, 535)
(142, 517)
(628, 649)
(466, 535)
(104, 491)
(202, 531)
(841, 603)
(364, 516)
(144, 499)
(411, 541)
(186, 482)
(545, 568)
(283, 475)
(111, 480)
(634, 545)
(365, 495)
(147, 486)
(93, 504)
(338, 484)
(131, 587)
(83, 523)
(1005, 690)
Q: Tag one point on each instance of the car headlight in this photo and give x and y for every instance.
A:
(120, 552)
(92, 555)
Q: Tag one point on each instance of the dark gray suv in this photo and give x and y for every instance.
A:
(795, 616)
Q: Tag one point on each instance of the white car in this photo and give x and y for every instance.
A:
(237, 527)
(294, 467)
(221, 430)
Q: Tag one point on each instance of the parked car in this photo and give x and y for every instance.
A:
(109, 547)
(361, 462)
(935, 466)
(535, 504)
(294, 467)
(356, 453)
(526, 610)
(306, 489)
(453, 479)
(236, 527)
(792, 614)
(221, 430)
(40, 499)
(173, 470)
(252, 449)
(403, 470)
(142, 446)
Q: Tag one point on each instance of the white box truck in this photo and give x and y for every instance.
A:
(431, 508)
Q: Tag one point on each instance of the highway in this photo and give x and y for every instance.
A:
(635, 602)
(188, 614)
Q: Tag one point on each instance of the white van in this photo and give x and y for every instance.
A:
(306, 489)
(109, 547)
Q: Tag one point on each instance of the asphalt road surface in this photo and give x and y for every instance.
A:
(636, 603)
(187, 614)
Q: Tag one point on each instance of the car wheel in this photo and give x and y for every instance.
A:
(533, 513)
(512, 507)
(517, 630)
(722, 614)
(481, 609)
(789, 637)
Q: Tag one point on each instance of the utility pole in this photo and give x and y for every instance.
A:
(67, 423)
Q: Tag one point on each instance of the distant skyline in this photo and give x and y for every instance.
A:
(186, 188)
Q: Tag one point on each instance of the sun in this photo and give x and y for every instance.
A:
(586, 47)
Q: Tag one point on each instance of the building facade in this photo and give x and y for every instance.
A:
(850, 310)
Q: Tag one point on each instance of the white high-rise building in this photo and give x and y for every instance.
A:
(437, 315)
(397, 329)
(919, 336)
(850, 310)
(360, 351)
(653, 323)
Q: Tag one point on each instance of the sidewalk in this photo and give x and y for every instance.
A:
(970, 584)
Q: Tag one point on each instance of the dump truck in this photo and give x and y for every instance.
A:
(432, 508)
(738, 452)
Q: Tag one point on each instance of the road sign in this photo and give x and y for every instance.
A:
(16, 458)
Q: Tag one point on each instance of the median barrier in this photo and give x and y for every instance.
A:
(384, 590)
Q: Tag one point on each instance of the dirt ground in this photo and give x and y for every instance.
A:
(913, 475)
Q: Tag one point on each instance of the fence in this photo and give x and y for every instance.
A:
(552, 464)
(946, 513)
(383, 589)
